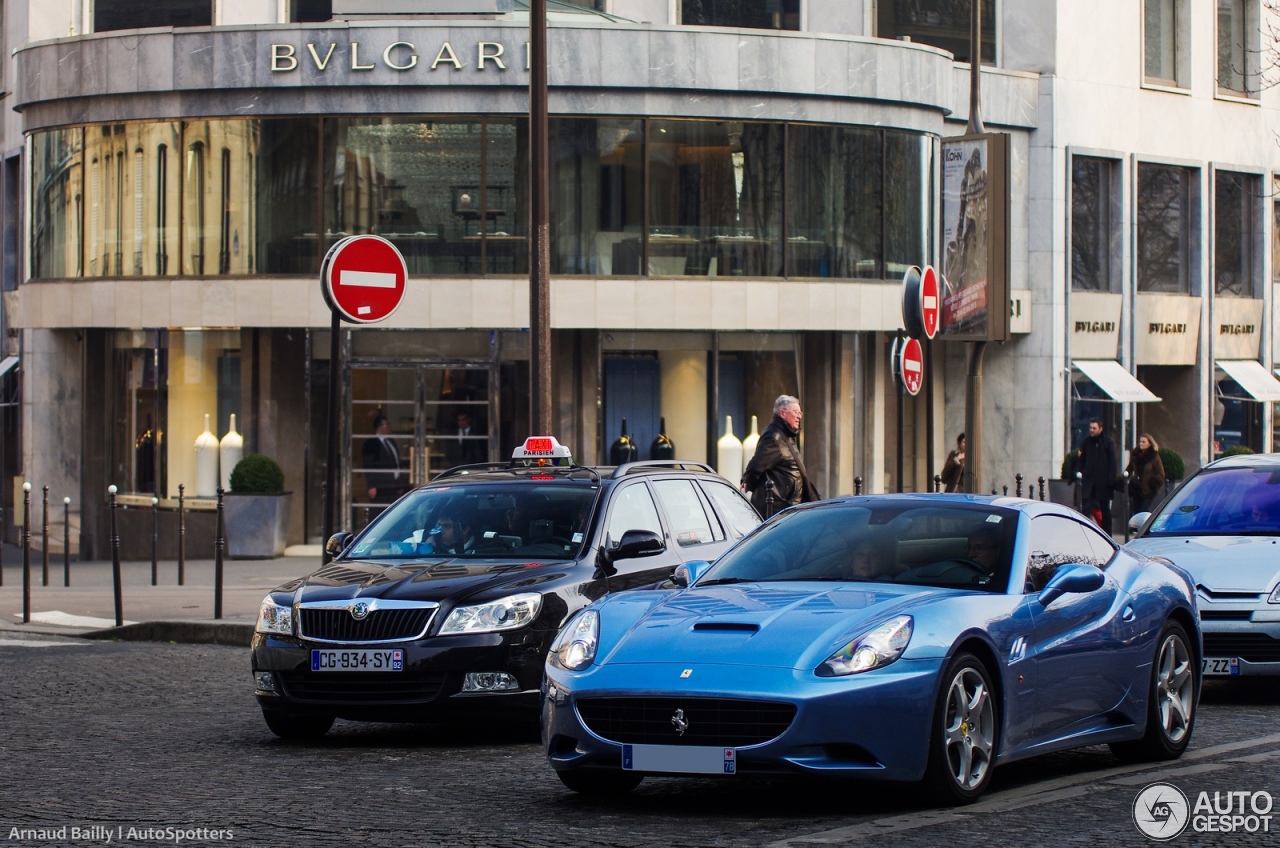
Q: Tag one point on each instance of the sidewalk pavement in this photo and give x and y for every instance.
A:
(165, 612)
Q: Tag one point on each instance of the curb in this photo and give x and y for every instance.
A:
(190, 632)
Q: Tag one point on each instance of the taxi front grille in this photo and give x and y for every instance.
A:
(715, 722)
(361, 687)
(381, 625)
(1250, 647)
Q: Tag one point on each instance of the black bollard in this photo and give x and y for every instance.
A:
(1041, 488)
(115, 559)
(219, 543)
(182, 539)
(1006, 491)
(1017, 479)
(66, 541)
(44, 546)
(937, 484)
(155, 536)
(26, 553)
(857, 485)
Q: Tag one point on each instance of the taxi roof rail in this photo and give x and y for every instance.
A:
(649, 464)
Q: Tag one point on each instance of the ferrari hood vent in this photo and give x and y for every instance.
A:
(728, 626)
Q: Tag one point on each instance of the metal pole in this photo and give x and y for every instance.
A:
(66, 541)
(155, 536)
(539, 243)
(44, 544)
(182, 538)
(26, 553)
(219, 543)
(115, 559)
(975, 68)
(973, 419)
(901, 435)
(331, 470)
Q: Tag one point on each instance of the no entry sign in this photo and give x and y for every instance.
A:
(910, 366)
(363, 278)
(921, 302)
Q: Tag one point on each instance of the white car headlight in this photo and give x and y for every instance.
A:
(274, 618)
(874, 649)
(576, 645)
(1275, 596)
(502, 614)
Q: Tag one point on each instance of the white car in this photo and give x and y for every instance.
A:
(1223, 526)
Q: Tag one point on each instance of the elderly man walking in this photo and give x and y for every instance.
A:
(776, 476)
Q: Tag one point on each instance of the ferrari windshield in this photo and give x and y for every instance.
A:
(920, 543)
(515, 520)
(1225, 501)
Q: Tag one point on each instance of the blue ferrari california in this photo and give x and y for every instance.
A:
(909, 637)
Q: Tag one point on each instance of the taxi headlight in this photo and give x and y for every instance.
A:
(274, 618)
(1275, 595)
(576, 645)
(503, 614)
(874, 649)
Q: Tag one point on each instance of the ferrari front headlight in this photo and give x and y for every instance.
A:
(502, 614)
(874, 649)
(576, 645)
(275, 618)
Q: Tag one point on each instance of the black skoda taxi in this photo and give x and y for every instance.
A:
(446, 604)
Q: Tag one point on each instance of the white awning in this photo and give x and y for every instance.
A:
(1252, 377)
(6, 364)
(1115, 380)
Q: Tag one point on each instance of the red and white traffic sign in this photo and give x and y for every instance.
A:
(363, 278)
(930, 300)
(911, 366)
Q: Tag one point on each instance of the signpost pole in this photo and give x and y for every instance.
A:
(331, 464)
(539, 245)
(973, 383)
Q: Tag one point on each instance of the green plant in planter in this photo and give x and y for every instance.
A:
(257, 474)
(1238, 450)
(1068, 462)
(1174, 468)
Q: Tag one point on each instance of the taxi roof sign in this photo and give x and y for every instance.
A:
(541, 447)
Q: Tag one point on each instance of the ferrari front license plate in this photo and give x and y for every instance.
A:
(679, 759)
(357, 660)
(1221, 666)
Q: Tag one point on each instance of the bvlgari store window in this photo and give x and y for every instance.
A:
(164, 386)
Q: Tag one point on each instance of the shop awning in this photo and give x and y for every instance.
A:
(6, 364)
(1252, 377)
(1114, 380)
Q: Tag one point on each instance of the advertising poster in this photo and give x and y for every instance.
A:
(966, 238)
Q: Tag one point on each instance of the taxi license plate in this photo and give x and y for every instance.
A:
(679, 759)
(357, 660)
(1220, 666)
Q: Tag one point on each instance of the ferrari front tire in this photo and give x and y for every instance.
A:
(963, 734)
(600, 784)
(1171, 701)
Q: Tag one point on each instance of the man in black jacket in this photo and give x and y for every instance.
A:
(1098, 466)
(776, 476)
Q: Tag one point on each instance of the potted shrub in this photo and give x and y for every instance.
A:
(256, 509)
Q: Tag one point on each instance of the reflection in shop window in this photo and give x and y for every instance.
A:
(1275, 230)
(940, 23)
(1167, 208)
(1236, 233)
(111, 15)
(745, 14)
(56, 203)
(834, 210)
(1094, 194)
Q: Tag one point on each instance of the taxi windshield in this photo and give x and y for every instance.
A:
(1226, 501)
(516, 520)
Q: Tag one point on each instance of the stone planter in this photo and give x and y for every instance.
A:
(256, 525)
(1062, 492)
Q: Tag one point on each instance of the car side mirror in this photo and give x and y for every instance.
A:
(637, 543)
(687, 573)
(1136, 521)
(338, 543)
(1074, 578)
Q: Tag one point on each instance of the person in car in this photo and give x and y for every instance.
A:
(984, 547)
(869, 563)
(452, 535)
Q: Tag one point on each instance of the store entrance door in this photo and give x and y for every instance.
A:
(408, 423)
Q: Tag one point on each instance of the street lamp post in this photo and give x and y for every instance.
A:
(539, 242)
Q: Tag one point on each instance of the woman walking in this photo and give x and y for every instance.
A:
(1146, 474)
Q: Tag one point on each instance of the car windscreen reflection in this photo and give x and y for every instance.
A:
(1227, 501)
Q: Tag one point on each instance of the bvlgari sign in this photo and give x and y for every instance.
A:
(398, 56)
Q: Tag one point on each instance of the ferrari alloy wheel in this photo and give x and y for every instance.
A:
(600, 783)
(1171, 700)
(963, 749)
(297, 726)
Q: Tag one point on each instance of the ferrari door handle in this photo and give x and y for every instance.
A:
(1127, 614)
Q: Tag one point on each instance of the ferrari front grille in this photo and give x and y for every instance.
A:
(714, 722)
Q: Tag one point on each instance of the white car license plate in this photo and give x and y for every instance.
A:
(1221, 666)
(679, 759)
(365, 659)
